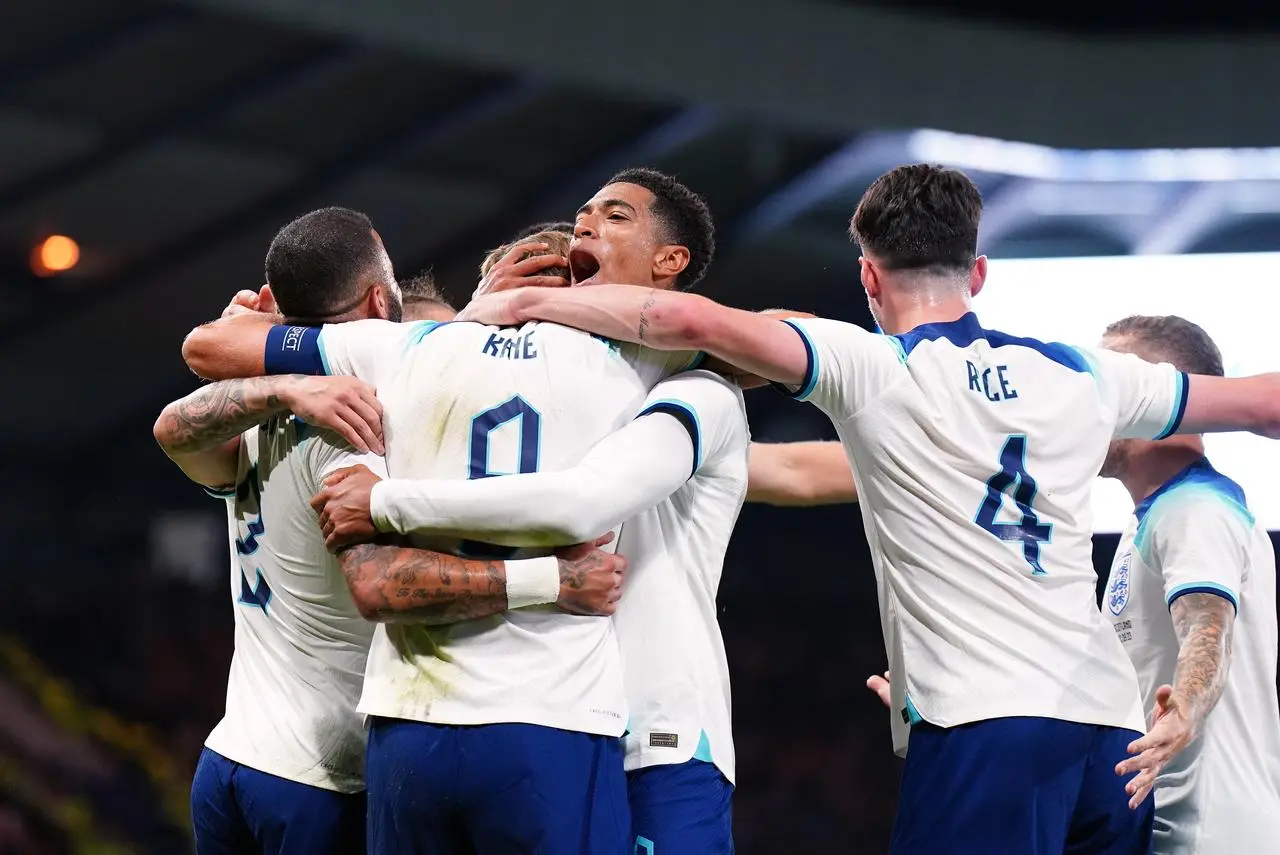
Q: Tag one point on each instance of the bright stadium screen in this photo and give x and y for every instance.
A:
(1235, 298)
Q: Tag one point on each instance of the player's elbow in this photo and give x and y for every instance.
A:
(687, 323)
(199, 351)
(164, 429)
(368, 600)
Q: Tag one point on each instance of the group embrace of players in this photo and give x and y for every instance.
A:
(430, 659)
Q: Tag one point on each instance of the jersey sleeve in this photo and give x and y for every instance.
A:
(246, 454)
(364, 349)
(1199, 544)
(330, 452)
(627, 472)
(847, 365)
(708, 407)
(1143, 399)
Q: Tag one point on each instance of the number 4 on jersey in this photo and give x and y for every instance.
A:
(1012, 479)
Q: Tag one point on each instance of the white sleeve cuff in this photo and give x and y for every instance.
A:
(378, 509)
(533, 582)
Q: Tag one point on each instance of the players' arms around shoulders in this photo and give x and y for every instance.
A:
(800, 474)
(687, 420)
(201, 432)
(831, 363)
(391, 583)
(254, 344)
(1223, 404)
(660, 319)
(1141, 396)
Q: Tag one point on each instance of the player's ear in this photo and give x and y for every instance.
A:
(378, 304)
(870, 277)
(977, 275)
(670, 261)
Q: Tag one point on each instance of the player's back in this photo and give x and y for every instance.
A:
(469, 401)
(300, 643)
(675, 669)
(974, 453)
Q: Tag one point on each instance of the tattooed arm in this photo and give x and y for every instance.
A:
(201, 432)
(1204, 624)
(395, 584)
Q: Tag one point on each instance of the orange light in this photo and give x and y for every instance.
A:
(54, 254)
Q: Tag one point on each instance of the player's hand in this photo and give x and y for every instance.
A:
(1169, 734)
(345, 405)
(880, 685)
(343, 506)
(244, 302)
(499, 310)
(510, 272)
(590, 579)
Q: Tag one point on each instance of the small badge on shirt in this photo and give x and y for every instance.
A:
(664, 740)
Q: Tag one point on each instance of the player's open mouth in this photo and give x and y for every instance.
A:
(582, 265)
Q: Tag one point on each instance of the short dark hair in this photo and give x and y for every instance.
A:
(920, 217)
(423, 289)
(1169, 338)
(683, 214)
(318, 263)
(538, 228)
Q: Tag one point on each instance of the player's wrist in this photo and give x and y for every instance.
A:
(533, 582)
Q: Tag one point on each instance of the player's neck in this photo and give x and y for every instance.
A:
(913, 312)
(1152, 469)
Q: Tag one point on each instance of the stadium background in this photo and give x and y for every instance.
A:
(171, 140)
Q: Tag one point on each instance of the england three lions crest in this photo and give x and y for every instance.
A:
(1118, 592)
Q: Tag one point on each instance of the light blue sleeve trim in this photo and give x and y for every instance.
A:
(671, 406)
(1204, 588)
(228, 493)
(1179, 407)
(324, 356)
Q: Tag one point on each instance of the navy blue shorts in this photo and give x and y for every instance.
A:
(681, 810)
(236, 810)
(1018, 786)
(496, 789)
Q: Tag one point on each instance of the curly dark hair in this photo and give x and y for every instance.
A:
(683, 214)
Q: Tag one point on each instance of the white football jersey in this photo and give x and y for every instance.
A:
(677, 476)
(974, 453)
(1196, 535)
(675, 668)
(465, 401)
(300, 643)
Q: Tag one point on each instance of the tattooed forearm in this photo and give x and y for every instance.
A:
(217, 412)
(394, 584)
(1203, 623)
(644, 312)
